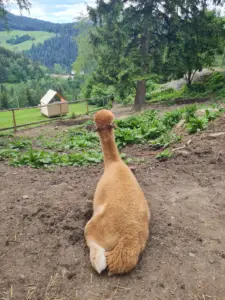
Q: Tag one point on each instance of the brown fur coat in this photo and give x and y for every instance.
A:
(119, 228)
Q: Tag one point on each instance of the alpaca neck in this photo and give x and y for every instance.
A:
(109, 147)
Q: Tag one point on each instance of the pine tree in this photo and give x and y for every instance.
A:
(197, 41)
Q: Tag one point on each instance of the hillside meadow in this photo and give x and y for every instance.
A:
(39, 36)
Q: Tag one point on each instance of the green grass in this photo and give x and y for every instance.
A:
(40, 37)
(27, 116)
(80, 108)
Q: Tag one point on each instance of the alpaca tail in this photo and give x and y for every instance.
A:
(124, 257)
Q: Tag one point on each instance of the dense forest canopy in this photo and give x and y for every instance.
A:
(16, 68)
(60, 50)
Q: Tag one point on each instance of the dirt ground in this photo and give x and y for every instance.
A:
(43, 255)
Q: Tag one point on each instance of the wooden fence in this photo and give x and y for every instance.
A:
(16, 123)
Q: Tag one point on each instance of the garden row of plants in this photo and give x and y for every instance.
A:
(80, 146)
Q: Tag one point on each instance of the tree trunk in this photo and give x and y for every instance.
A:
(140, 95)
(144, 43)
(189, 79)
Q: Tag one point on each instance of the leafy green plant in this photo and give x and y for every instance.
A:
(172, 118)
(139, 129)
(127, 136)
(153, 131)
(19, 144)
(7, 153)
(197, 124)
(211, 115)
(189, 112)
(149, 115)
(165, 140)
(38, 159)
(81, 140)
(164, 155)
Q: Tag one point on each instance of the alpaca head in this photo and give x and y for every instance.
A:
(104, 120)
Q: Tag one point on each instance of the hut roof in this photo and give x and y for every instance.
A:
(49, 96)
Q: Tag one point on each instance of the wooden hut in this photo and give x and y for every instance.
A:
(53, 104)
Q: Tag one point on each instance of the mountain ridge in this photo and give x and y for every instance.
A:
(30, 24)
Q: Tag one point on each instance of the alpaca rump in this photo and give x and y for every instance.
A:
(119, 228)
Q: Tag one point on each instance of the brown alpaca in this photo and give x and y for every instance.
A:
(118, 230)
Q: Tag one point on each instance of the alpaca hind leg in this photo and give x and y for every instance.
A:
(97, 257)
(99, 238)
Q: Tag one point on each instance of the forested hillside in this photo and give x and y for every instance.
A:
(17, 68)
(60, 49)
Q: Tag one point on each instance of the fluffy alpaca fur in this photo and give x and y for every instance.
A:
(118, 230)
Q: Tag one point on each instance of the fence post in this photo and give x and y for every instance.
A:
(61, 109)
(14, 120)
(87, 108)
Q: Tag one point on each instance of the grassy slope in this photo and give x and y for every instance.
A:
(212, 87)
(34, 115)
(40, 37)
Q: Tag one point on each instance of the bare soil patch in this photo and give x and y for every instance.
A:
(43, 255)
